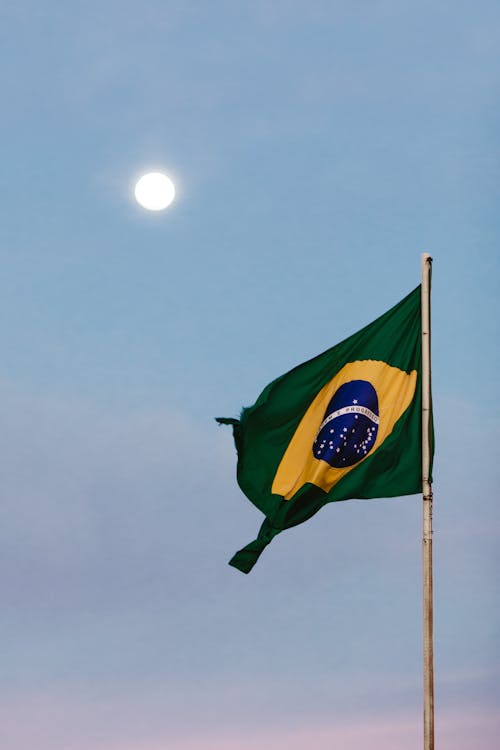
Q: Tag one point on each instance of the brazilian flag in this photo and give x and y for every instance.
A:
(346, 424)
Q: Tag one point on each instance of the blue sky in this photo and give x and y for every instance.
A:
(317, 149)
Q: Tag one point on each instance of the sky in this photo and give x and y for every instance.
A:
(317, 148)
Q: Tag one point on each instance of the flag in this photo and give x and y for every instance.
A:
(346, 424)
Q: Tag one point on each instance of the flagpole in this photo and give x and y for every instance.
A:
(427, 508)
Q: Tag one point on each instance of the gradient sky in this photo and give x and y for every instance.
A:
(317, 148)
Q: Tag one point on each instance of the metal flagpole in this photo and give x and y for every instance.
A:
(427, 508)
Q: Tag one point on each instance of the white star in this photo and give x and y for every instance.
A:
(355, 401)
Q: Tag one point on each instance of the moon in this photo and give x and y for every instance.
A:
(154, 191)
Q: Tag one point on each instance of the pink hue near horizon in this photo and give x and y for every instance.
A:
(453, 732)
(45, 723)
(389, 736)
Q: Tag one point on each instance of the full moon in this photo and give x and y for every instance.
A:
(154, 191)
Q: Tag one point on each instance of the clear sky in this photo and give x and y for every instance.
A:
(317, 149)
